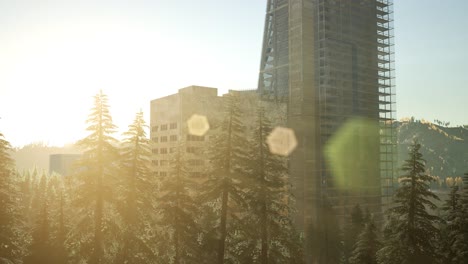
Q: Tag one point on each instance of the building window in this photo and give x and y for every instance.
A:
(195, 162)
(164, 163)
(154, 129)
(195, 138)
(194, 150)
(163, 127)
(163, 150)
(173, 138)
(197, 174)
(164, 139)
(155, 151)
(154, 162)
(173, 125)
(155, 139)
(163, 173)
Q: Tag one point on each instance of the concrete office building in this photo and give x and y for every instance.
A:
(168, 123)
(169, 116)
(331, 61)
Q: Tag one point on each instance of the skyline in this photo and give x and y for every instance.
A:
(145, 50)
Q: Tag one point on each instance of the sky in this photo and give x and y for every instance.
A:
(56, 54)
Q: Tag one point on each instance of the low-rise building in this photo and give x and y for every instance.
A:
(170, 114)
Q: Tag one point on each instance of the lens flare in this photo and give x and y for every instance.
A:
(198, 125)
(282, 141)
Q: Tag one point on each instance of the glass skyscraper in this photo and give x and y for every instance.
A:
(331, 61)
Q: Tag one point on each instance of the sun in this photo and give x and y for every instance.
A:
(50, 71)
(53, 72)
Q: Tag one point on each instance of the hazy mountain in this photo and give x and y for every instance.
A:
(444, 148)
(37, 155)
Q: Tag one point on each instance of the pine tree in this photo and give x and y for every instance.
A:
(367, 245)
(269, 199)
(137, 186)
(324, 239)
(97, 179)
(26, 193)
(41, 192)
(207, 223)
(453, 225)
(35, 196)
(57, 197)
(460, 224)
(10, 245)
(179, 211)
(227, 180)
(60, 250)
(352, 231)
(412, 234)
(41, 250)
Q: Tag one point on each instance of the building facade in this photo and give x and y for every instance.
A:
(168, 123)
(170, 116)
(331, 62)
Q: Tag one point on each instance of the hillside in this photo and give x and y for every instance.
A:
(444, 148)
(37, 155)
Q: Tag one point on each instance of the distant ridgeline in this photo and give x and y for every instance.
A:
(36, 155)
(444, 148)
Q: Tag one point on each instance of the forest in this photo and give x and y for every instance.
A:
(113, 209)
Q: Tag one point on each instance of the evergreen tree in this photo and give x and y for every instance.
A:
(35, 197)
(179, 211)
(352, 231)
(58, 197)
(41, 251)
(26, 193)
(47, 229)
(41, 193)
(412, 235)
(207, 223)
(60, 250)
(366, 246)
(97, 181)
(453, 225)
(10, 227)
(137, 187)
(227, 180)
(270, 200)
(459, 233)
(324, 239)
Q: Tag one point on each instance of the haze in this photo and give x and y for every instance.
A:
(55, 55)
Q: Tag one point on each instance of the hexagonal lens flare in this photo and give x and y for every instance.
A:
(198, 125)
(282, 141)
(352, 154)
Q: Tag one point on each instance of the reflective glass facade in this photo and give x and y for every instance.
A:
(332, 62)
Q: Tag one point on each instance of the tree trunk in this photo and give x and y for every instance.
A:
(98, 211)
(264, 217)
(97, 254)
(264, 234)
(222, 240)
